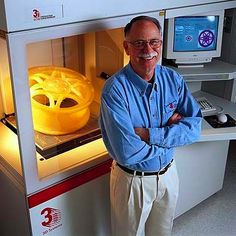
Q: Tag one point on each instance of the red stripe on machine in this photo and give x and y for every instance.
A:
(69, 184)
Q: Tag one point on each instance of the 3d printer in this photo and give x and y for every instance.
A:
(51, 80)
(63, 76)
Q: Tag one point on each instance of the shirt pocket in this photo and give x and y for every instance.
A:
(170, 107)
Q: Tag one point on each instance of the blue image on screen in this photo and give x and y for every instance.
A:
(195, 33)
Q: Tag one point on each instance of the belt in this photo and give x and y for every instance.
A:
(140, 173)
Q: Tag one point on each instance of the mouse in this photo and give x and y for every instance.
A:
(222, 118)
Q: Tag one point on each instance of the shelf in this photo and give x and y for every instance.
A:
(215, 70)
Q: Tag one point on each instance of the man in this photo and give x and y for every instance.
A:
(146, 111)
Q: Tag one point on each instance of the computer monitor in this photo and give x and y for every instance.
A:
(195, 39)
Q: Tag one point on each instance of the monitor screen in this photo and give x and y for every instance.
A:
(193, 39)
(196, 33)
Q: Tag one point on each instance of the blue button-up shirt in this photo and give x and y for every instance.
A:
(130, 102)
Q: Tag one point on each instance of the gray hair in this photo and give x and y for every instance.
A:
(148, 18)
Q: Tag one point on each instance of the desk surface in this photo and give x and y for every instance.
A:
(213, 134)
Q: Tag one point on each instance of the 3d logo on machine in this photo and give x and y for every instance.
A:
(52, 219)
(36, 14)
(42, 14)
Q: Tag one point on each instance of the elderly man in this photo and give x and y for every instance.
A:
(146, 111)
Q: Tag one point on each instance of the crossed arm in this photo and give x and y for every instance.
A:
(143, 133)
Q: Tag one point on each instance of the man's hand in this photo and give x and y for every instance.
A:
(143, 133)
(175, 118)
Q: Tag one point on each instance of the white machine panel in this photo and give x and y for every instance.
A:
(22, 15)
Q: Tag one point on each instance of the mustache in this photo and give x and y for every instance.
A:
(148, 55)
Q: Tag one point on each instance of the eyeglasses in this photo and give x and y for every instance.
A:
(140, 44)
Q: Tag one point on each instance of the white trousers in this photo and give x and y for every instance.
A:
(143, 205)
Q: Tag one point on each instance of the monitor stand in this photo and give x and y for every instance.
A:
(189, 65)
(170, 62)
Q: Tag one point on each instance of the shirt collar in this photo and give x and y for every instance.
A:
(138, 82)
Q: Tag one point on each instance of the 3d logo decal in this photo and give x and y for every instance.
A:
(46, 13)
(36, 14)
(52, 217)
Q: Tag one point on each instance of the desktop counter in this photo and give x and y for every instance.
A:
(201, 166)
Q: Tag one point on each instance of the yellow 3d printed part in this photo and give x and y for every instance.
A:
(60, 99)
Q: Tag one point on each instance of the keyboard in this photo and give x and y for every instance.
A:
(205, 105)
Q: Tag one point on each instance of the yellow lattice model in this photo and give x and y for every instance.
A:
(60, 99)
